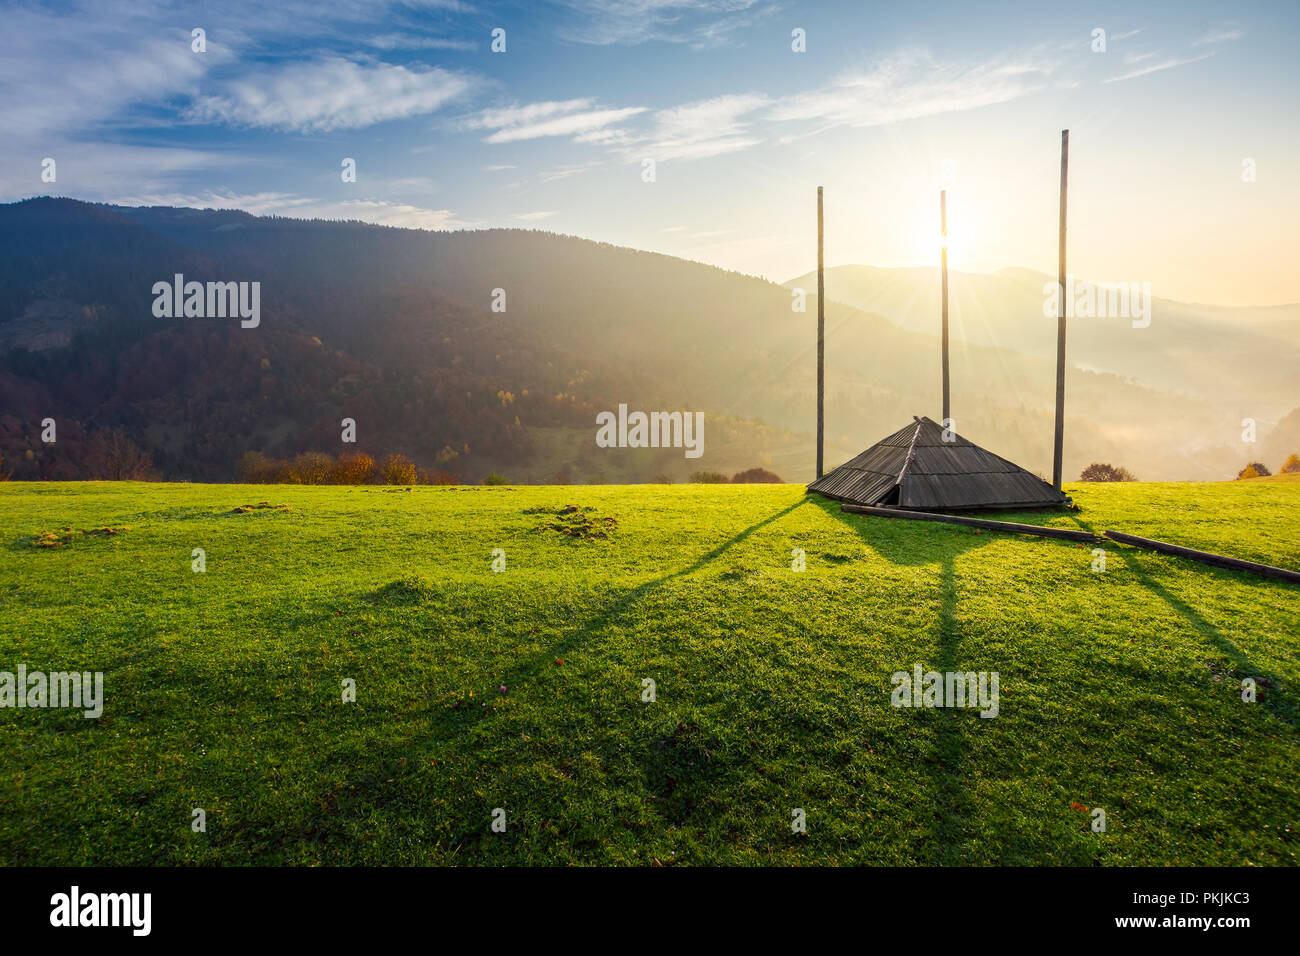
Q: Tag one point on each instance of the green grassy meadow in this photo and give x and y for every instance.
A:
(1119, 690)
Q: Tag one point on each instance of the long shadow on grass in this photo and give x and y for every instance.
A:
(1273, 697)
(685, 749)
(896, 542)
(579, 633)
(599, 622)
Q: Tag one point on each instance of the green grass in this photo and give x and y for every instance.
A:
(1119, 690)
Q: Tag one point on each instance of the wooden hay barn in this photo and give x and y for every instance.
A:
(914, 468)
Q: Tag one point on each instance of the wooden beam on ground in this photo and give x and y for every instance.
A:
(1066, 533)
(1205, 557)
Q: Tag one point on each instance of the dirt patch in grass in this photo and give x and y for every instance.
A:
(574, 521)
(57, 539)
(260, 506)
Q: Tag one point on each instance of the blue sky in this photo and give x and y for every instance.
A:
(888, 103)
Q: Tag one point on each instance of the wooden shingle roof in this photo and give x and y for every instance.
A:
(915, 468)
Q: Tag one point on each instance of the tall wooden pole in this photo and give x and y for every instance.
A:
(943, 227)
(1060, 321)
(821, 332)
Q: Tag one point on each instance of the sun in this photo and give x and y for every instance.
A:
(928, 243)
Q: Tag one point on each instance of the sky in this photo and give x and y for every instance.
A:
(1184, 145)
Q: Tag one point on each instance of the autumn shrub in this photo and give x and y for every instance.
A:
(354, 469)
(753, 476)
(1099, 471)
(398, 470)
(113, 456)
(313, 468)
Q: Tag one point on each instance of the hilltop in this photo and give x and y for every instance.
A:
(524, 689)
(396, 329)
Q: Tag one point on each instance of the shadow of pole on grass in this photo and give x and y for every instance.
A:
(948, 765)
(952, 803)
(599, 622)
(619, 605)
(1273, 695)
(392, 765)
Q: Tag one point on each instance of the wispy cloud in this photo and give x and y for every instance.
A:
(61, 73)
(704, 128)
(1156, 67)
(1131, 58)
(408, 41)
(905, 86)
(378, 211)
(98, 170)
(575, 118)
(329, 94)
(914, 84)
(258, 204)
(536, 216)
(566, 170)
(1219, 35)
(702, 23)
(390, 214)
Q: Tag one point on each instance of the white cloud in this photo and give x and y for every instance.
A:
(330, 94)
(608, 136)
(702, 129)
(703, 23)
(69, 74)
(565, 171)
(259, 204)
(913, 84)
(551, 118)
(1219, 35)
(380, 212)
(528, 114)
(1156, 67)
(389, 214)
(1131, 58)
(409, 41)
(100, 170)
(410, 183)
(535, 216)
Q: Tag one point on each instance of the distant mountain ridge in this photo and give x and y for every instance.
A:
(396, 329)
(1243, 358)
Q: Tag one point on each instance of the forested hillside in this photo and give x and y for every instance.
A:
(396, 329)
